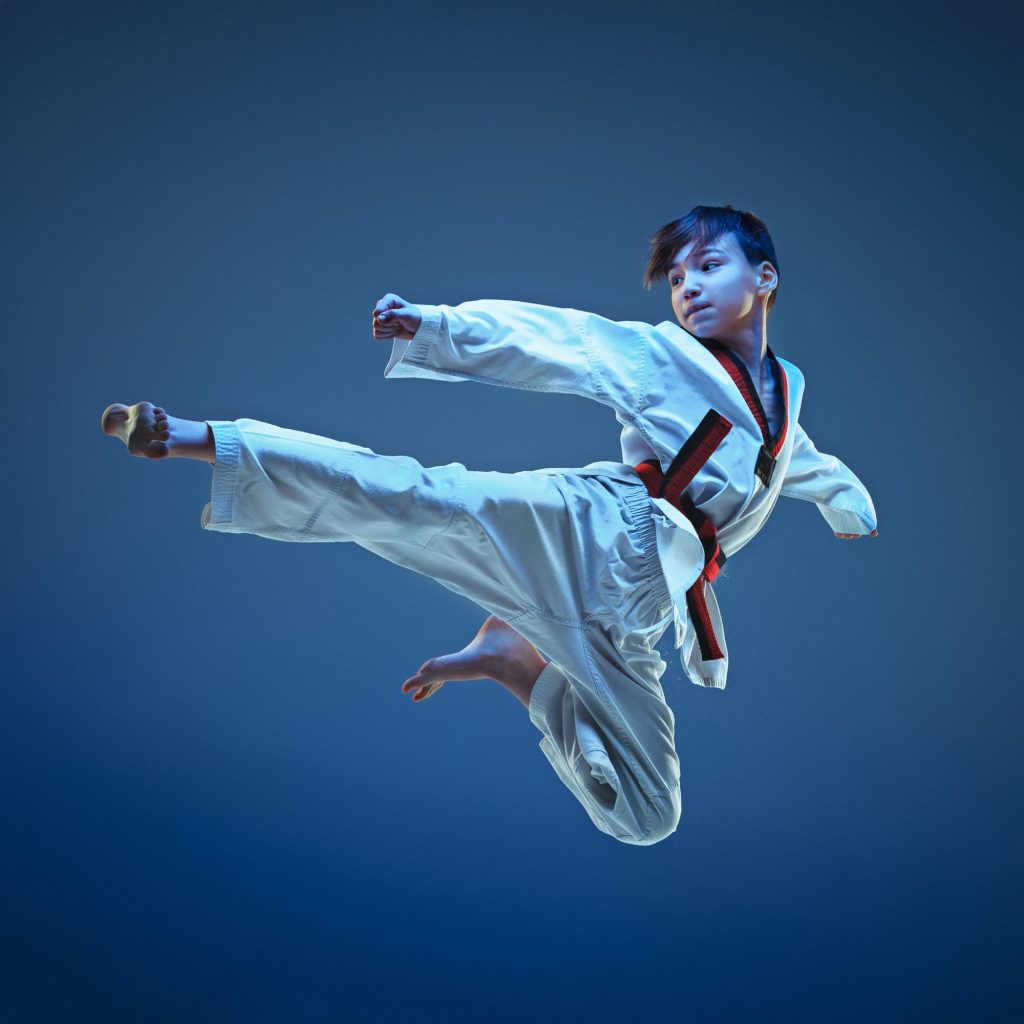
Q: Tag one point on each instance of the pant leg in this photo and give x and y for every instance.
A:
(607, 730)
(292, 486)
(577, 554)
(570, 560)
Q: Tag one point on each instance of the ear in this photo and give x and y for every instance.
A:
(767, 278)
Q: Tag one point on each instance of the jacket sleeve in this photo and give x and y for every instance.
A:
(840, 496)
(524, 345)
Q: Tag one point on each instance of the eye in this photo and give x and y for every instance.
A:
(707, 263)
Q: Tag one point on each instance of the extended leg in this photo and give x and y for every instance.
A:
(567, 559)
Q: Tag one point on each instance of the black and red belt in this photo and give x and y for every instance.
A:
(688, 463)
(671, 486)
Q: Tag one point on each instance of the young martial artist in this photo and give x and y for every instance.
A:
(581, 569)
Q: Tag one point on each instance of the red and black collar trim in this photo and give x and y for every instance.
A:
(740, 375)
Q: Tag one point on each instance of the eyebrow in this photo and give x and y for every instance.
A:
(700, 252)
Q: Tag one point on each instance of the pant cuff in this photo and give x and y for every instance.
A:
(220, 510)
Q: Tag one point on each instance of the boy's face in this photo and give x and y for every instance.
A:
(718, 277)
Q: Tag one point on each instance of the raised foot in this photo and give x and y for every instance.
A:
(497, 652)
(143, 427)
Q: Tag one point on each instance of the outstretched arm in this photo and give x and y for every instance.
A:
(840, 496)
(517, 344)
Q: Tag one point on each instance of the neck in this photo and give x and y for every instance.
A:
(750, 342)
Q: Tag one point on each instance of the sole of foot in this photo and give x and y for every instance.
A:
(143, 427)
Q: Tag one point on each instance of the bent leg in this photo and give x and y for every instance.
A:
(609, 736)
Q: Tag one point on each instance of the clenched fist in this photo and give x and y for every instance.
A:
(393, 318)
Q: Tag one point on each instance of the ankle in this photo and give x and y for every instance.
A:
(193, 439)
(519, 673)
(520, 683)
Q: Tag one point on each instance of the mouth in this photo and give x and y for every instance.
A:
(696, 309)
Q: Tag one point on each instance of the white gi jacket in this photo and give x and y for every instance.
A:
(661, 381)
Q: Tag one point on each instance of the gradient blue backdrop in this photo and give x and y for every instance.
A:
(217, 804)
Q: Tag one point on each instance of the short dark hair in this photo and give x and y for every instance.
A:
(705, 225)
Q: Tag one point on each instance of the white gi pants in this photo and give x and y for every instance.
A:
(567, 557)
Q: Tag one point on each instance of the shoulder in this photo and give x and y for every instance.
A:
(681, 346)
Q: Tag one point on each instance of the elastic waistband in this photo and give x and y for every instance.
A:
(641, 510)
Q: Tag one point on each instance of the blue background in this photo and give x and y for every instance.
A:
(217, 804)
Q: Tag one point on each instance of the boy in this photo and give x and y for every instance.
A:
(581, 570)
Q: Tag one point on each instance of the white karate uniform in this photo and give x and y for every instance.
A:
(661, 382)
(582, 562)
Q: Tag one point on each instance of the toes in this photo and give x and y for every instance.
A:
(427, 691)
(113, 416)
(423, 688)
(416, 681)
(430, 670)
(444, 664)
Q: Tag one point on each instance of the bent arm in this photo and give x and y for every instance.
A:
(525, 345)
(840, 496)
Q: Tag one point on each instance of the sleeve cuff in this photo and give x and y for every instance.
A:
(413, 353)
(846, 521)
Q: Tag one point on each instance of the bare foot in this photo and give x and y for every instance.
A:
(151, 433)
(497, 652)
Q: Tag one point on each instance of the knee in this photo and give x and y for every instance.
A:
(662, 820)
(633, 816)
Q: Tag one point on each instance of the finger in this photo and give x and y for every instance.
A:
(390, 316)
